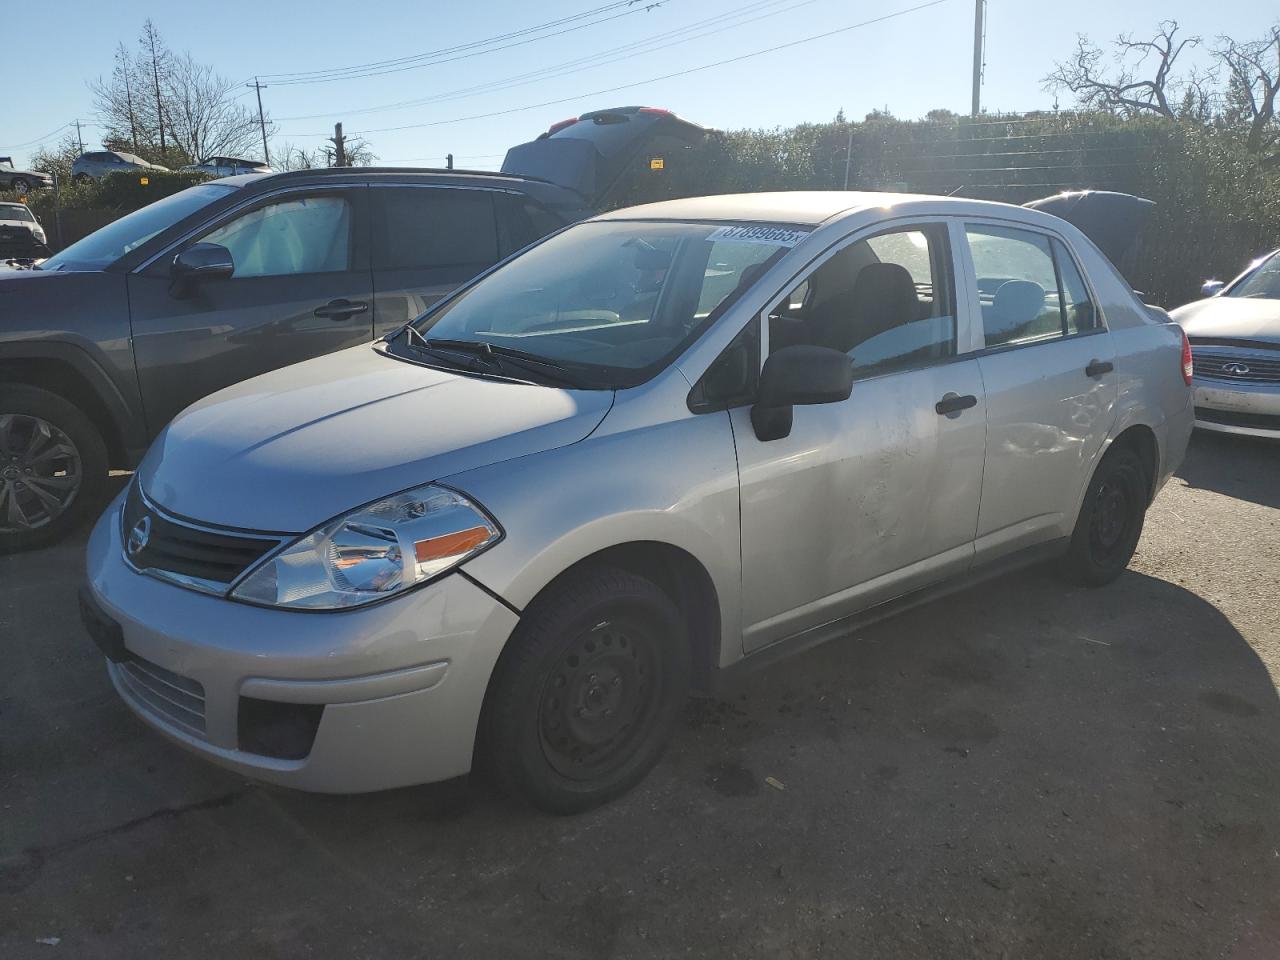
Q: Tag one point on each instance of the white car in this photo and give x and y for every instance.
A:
(226, 167)
(1235, 341)
(18, 228)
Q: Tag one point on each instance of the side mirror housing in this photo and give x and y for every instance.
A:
(798, 375)
(198, 263)
(1211, 288)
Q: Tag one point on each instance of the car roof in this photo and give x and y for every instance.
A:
(374, 173)
(809, 207)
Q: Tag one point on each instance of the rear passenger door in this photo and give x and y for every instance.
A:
(1047, 364)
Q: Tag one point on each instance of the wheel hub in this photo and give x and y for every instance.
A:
(40, 472)
(1110, 513)
(595, 700)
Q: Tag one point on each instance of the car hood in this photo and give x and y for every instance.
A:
(1231, 318)
(291, 449)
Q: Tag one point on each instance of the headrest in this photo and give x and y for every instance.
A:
(1017, 303)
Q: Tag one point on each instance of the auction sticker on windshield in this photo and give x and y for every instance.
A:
(774, 236)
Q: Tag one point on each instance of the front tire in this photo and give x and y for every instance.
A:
(20, 186)
(53, 467)
(1111, 518)
(587, 694)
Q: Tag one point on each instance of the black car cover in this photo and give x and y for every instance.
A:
(1111, 220)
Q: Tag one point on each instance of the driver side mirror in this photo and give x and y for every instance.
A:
(798, 375)
(196, 264)
(1211, 288)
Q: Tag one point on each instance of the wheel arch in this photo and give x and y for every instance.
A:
(680, 575)
(1141, 439)
(68, 372)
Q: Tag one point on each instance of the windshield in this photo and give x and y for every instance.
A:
(104, 247)
(1263, 283)
(15, 211)
(612, 303)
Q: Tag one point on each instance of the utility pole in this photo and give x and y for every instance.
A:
(448, 161)
(79, 139)
(978, 32)
(848, 154)
(339, 146)
(262, 121)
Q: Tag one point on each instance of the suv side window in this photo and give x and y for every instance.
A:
(423, 227)
(888, 301)
(1029, 288)
(295, 236)
(521, 221)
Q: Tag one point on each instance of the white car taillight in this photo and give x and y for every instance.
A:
(1188, 365)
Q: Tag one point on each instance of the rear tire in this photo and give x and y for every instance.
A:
(53, 467)
(19, 185)
(587, 694)
(1110, 522)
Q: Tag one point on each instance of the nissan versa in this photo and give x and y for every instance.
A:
(659, 444)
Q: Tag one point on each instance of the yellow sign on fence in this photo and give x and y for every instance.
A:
(656, 163)
(145, 181)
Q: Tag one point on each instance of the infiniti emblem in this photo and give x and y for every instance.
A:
(1239, 369)
(138, 537)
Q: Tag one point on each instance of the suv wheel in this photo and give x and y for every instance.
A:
(1110, 522)
(53, 467)
(587, 693)
(20, 185)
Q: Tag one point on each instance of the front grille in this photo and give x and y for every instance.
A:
(1235, 366)
(177, 699)
(1228, 418)
(200, 557)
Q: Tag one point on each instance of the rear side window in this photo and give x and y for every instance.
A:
(1028, 287)
(426, 227)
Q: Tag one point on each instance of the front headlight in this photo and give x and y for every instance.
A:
(373, 552)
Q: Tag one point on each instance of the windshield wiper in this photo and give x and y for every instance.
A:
(500, 355)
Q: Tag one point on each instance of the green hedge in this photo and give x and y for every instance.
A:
(1217, 205)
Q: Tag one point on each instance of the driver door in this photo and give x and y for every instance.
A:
(301, 288)
(868, 498)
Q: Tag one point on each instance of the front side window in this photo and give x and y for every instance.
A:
(887, 301)
(297, 236)
(613, 301)
(426, 227)
(1263, 283)
(1029, 288)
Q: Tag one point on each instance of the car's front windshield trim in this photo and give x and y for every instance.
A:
(593, 374)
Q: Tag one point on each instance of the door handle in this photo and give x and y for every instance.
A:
(341, 309)
(954, 403)
(1097, 368)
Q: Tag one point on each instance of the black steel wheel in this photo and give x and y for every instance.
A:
(53, 466)
(587, 692)
(1110, 521)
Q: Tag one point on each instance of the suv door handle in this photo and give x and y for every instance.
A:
(1097, 368)
(954, 403)
(341, 309)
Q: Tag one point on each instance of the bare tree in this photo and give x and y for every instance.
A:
(1253, 86)
(204, 116)
(290, 156)
(169, 108)
(57, 160)
(1145, 79)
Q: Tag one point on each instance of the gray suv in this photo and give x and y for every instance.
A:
(97, 164)
(108, 339)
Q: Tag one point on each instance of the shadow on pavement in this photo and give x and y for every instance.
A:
(1024, 769)
(1246, 468)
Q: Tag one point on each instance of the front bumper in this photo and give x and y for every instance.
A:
(1248, 409)
(398, 686)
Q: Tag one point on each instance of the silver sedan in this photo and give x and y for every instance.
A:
(658, 446)
(1235, 344)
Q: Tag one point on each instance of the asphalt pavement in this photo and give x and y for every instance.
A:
(1025, 770)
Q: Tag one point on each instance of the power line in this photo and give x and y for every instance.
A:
(603, 58)
(640, 83)
(468, 50)
(39, 140)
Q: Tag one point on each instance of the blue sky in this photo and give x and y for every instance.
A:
(910, 63)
